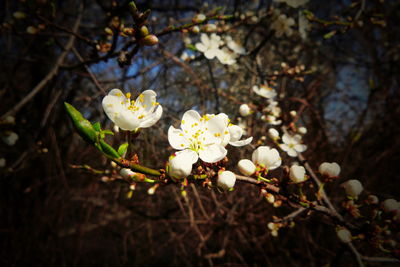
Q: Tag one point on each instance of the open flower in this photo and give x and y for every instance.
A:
(205, 137)
(129, 114)
(268, 157)
(282, 25)
(292, 145)
(209, 46)
(265, 91)
(226, 57)
(235, 47)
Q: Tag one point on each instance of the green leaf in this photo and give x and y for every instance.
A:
(97, 126)
(122, 148)
(107, 132)
(108, 150)
(330, 34)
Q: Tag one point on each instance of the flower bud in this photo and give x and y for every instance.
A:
(19, 15)
(10, 138)
(268, 157)
(273, 134)
(293, 113)
(195, 29)
(372, 199)
(246, 167)
(353, 188)
(344, 235)
(390, 205)
(2, 162)
(226, 180)
(329, 169)
(210, 27)
(244, 110)
(127, 173)
(149, 40)
(302, 130)
(199, 18)
(297, 174)
(144, 31)
(179, 166)
(32, 30)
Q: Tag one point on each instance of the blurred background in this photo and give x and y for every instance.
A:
(338, 67)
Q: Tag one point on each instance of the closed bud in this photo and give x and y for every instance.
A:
(353, 188)
(226, 180)
(329, 169)
(246, 167)
(302, 130)
(297, 174)
(179, 165)
(199, 18)
(273, 134)
(108, 31)
(144, 31)
(244, 110)
(149, 40)
(344, 235)
(32, 30)
(19, 15)
(390, 205)
(195, 29)
(266, 156)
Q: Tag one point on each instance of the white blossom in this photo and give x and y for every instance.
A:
(329, 169)
(2, 162)
(282, 25)
(270, 158)
(226, 57)
(293, 3)
(273, 134)
(226, 180)
(131, 115)
(244, 110)
(304, 25)
(10, 138)
(302, 130)
(180, 165)
(127, 173)
(344, 235)
(235, 47)
(271, 119)
(353, 188)
(390, 205)
(205, 137)
(297, 174)
(264, 91)
(246, 167)
(210, 27)
(292, 145)
(209, 46)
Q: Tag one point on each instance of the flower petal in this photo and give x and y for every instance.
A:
(201, 47)
(190, 121)
(213, 153)
(146, 101)
(300, 148)
(205, 39)
(152, 118)
(241, 142)
(126, 120)
(188, 155)
(177, 139)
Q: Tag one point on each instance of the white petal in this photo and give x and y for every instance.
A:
(152, 118)
(236, 132)
(291, 152)
(146, 101)
(188, 155)
(201, 47)
(300, 148)
(177, 138)
(211, 53)
(212, 153)
(242, 142)
(190, 121)
(205, 39)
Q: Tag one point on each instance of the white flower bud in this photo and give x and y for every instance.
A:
(19, 15)
(297, 174)
(246, 167)
(209, 27)
(116, 128)
(273, 133)
(2, 162)
(268, 157)
(344, 235)
(293, 113)
(372, 199)
(127, 173)
(10, 120)
(353, 188)
(244, 110)
(10, 138)
(302, 130)
(390, 205)
(195, 29)
(329, 169)
(199, 18)
(32, 30)
(179, 166)
(226, 180)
